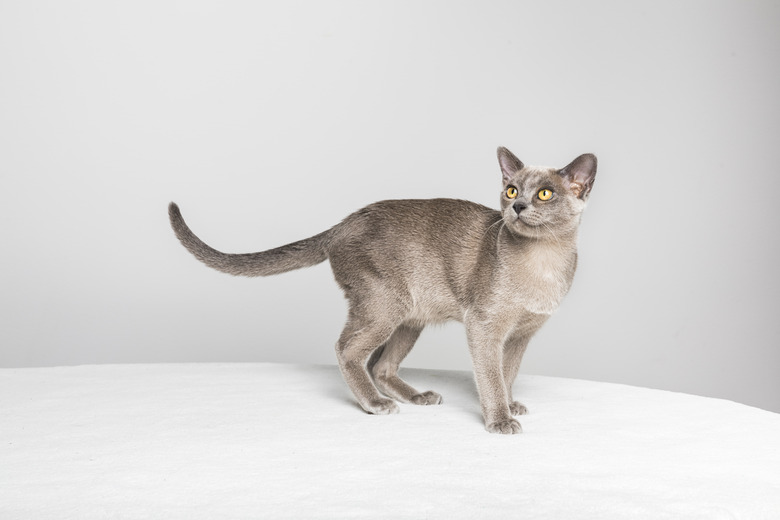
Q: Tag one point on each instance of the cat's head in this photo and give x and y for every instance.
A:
(540, 201)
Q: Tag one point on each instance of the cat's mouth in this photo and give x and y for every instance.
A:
(530, 222)
(524, 224)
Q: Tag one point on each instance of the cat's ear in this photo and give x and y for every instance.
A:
(580, 174)
(509, 163)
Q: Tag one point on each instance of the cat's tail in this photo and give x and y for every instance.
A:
(297, 255)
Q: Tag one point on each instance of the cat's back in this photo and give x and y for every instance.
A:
(401, 223)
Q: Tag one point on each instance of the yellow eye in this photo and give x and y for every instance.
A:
(511, 192)
(545, 194)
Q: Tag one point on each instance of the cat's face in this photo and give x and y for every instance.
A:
(544, 202)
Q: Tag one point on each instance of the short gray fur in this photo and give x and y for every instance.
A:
(405, 264)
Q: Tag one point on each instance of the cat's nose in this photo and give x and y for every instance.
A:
(519, 206)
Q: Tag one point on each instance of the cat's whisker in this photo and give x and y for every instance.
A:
(552, 233)
(487, 230)
(498, 244)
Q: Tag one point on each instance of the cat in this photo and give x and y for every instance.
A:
(405, 264)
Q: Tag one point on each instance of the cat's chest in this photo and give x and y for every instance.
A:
(538, 278)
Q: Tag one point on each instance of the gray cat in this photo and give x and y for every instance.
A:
(405, 264)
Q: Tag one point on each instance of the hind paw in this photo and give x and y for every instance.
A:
(426, 398)
(381, 407)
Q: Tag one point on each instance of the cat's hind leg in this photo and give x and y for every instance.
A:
(358, 340)
(384, 364)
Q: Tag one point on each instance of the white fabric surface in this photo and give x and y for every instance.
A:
(287, 441)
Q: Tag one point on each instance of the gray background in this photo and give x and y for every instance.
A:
(269, 122)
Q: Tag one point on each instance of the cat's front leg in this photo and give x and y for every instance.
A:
(514, 348)
(486, 350)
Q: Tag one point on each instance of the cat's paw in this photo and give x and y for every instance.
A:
(518, 408)
(382, 407)
(506, 426)
(425, 398)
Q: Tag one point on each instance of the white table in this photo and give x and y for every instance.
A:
(218, 441)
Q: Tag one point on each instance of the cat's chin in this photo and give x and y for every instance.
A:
(522, 227)
(519, 227)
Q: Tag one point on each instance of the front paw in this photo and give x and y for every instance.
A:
(381, 407)
(505, 426)
(518, 408)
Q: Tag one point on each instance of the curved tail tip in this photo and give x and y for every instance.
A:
(173, 208)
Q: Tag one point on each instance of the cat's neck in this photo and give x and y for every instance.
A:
(540, 268)
(563, 243)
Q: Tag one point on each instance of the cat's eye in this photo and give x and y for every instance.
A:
(545, 194)
(511, 192)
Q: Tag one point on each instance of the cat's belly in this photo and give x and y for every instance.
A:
(429, 307)
(540, 303)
